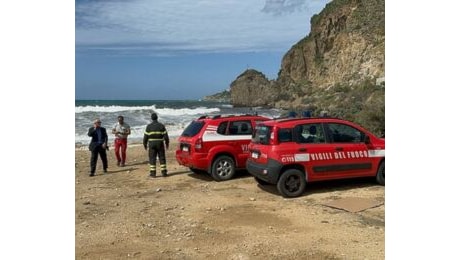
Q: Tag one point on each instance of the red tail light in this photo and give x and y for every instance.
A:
(198, 144)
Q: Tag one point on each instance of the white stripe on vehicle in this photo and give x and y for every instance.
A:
(213, 136)
(376, 153)
(302, 157)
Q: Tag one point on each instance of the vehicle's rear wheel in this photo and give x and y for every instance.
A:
(380, 176)
(197, 171)
(223, 168)
(261, 182)
(292, 183)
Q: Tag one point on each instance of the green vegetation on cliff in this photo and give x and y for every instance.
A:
(340, 66)
(223, 96)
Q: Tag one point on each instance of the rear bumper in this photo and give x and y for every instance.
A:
(268, 172)
(195, 160)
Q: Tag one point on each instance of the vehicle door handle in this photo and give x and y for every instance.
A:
(302, 149)
(339, 148)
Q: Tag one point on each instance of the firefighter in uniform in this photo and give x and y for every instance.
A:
(156, 138)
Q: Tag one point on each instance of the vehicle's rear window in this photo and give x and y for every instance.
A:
(262, 134)
(193, 128)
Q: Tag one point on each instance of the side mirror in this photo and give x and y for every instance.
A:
(367, 140)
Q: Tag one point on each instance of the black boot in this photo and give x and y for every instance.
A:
(164, 173)
(153, 174)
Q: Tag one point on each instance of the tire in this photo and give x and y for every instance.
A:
(223, 168)
(292, 183)
(197, 171)
(261, 182)
(380, 176)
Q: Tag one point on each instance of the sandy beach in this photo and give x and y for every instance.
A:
(126, 214)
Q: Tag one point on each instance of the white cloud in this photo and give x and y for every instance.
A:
(279, 7)
(182, 25)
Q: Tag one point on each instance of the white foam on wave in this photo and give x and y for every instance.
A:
(227, 105)
(137, 134)
(110, 109)
(161, 111)
(185, 111)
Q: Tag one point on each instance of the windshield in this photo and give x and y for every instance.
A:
(193, 128)
(261, 135)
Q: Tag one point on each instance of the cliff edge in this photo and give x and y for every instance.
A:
(339, 67)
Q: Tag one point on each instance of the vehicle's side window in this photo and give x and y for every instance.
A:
(341, 133)
(222, 127)
(240, 128)
(310, 133)
(285, 135)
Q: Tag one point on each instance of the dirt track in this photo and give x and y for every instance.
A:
(125, 214)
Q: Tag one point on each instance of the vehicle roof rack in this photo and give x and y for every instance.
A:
(224, 116)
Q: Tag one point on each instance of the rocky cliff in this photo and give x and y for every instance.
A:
(338, 67)
(253, 88)
(223, 96)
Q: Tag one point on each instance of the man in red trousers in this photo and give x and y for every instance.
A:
(121, 130)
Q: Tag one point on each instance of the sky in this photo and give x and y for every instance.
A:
(181, 49)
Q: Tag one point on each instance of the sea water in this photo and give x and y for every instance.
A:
(174, 114)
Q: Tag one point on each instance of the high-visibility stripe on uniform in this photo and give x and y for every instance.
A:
(155, 133)
(155, 139)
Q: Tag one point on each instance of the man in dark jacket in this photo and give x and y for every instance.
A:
(156, 138)
(98, 145)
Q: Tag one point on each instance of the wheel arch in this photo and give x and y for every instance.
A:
(215, 156)
(293, 166)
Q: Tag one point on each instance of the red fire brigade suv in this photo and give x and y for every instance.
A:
(217, 145)
(292, 152)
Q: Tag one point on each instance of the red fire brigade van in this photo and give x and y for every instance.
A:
(217, 145)
(292, 152)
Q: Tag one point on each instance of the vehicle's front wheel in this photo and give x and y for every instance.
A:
(292, 183)
(223, 168)
(381, 174)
